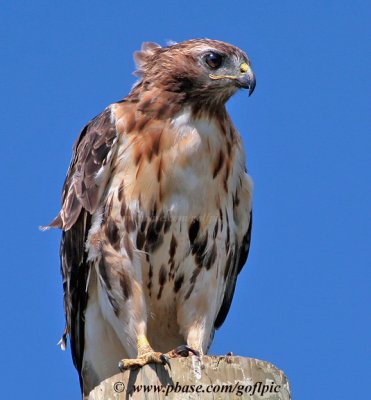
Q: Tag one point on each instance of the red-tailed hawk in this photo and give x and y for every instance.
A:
(156, 213)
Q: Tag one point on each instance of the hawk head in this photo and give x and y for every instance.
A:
(199, 70)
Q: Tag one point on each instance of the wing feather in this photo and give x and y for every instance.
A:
(84, 185)
(240, 256)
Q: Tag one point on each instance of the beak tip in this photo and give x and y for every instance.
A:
(252, 86)
(248, 81)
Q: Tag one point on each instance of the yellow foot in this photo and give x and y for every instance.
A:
(151, 357)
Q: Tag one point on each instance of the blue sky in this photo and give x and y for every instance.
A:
(303, 300)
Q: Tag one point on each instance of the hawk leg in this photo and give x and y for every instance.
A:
(146, 355)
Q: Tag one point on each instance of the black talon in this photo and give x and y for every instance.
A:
(121, 366)
(165, 360)
(184, 351)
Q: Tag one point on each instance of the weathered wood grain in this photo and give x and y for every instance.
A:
(226, 377)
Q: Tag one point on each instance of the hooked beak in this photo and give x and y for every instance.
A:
(247, 81)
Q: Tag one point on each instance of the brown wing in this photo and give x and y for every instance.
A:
(237, 260)
(85, 182)
(91, 156)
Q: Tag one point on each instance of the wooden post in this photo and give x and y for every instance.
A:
(214, 377)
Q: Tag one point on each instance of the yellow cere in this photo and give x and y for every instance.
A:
(244, 67)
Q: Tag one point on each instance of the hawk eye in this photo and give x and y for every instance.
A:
(213, 60)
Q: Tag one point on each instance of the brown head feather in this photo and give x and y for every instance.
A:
(174, 76)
